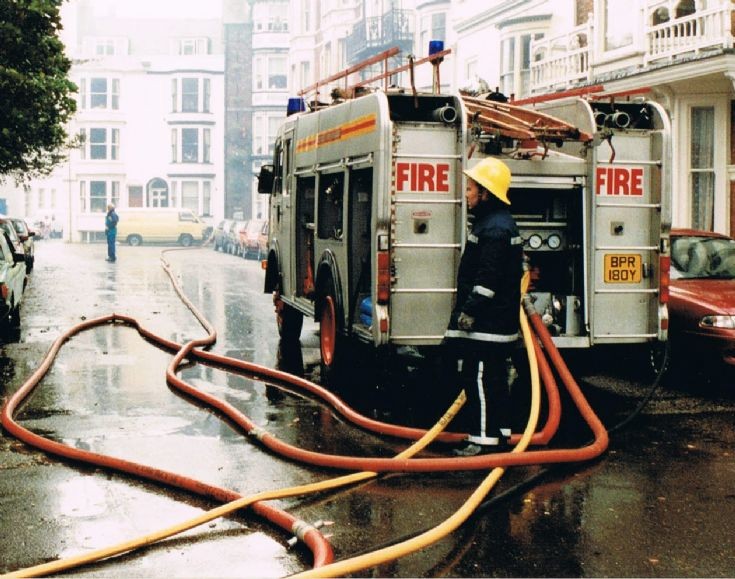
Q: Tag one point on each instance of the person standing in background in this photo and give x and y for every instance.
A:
(111, 220)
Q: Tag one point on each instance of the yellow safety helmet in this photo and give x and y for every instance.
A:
(493, 175)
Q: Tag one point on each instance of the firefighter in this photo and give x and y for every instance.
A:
(484, 326)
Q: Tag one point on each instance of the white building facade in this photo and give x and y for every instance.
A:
(151, 101)
(148, 129)
(678, 52)
(270, 87)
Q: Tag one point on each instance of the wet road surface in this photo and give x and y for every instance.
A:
(660, 502)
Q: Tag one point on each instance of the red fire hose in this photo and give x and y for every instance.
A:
(316, 542)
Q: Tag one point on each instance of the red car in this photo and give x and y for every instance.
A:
(702, 299)
(249, 235)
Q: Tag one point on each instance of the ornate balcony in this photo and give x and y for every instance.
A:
(561, 61)
(670, 35)
(671, 32)
(376, 34)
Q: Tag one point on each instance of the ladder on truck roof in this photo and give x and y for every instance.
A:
(486, 117)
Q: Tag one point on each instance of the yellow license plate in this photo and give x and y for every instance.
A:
(623, 268)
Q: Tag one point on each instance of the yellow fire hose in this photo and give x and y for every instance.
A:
(352, 565)
(226, 509)
(347, 566)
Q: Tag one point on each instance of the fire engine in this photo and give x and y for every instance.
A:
(368, 216)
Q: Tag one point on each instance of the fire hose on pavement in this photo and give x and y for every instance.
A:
(316, 542)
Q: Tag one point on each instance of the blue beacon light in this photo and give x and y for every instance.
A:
(435, 46)
(295, 105)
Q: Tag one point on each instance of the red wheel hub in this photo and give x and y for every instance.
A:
(327, 331)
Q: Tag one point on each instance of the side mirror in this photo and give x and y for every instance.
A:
(31, 233)
(265, 179)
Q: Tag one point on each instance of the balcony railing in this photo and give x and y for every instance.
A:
(565, 60)
(375, 34)
(702, 30)
(561, 61)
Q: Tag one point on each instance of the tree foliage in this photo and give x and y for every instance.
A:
(35, 92)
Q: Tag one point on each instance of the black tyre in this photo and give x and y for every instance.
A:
(185, 240)
(288, 319)
(10, 325)
(15, 318)
(135, 240)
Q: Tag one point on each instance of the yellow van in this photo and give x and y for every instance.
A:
(137, 226)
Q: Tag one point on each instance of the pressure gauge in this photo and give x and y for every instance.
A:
(535, 241)
(554, 241)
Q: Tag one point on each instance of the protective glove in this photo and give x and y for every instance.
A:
(465, 322)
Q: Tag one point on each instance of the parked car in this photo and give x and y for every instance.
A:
(160, 225)
(263, 242)
(26, 236)
(7, 227)
(702, 299)
(42, 226)
(233, 237)
(12, 284)
(249, 235)
(219, 234)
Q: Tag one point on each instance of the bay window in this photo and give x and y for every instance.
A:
(270, 72)
(191, 95)
(191, 145)
(515, 63)
(265, 130)
(100, 144)
(96, 194)
(194, 194)
(99, 93)
(433, 27)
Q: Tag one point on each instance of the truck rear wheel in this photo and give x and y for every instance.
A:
(332, 342)
(135, 240)
(328, 332)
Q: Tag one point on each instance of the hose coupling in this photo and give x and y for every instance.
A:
(445, 114)
(258, 432)
(527, 302)
(300, 528)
